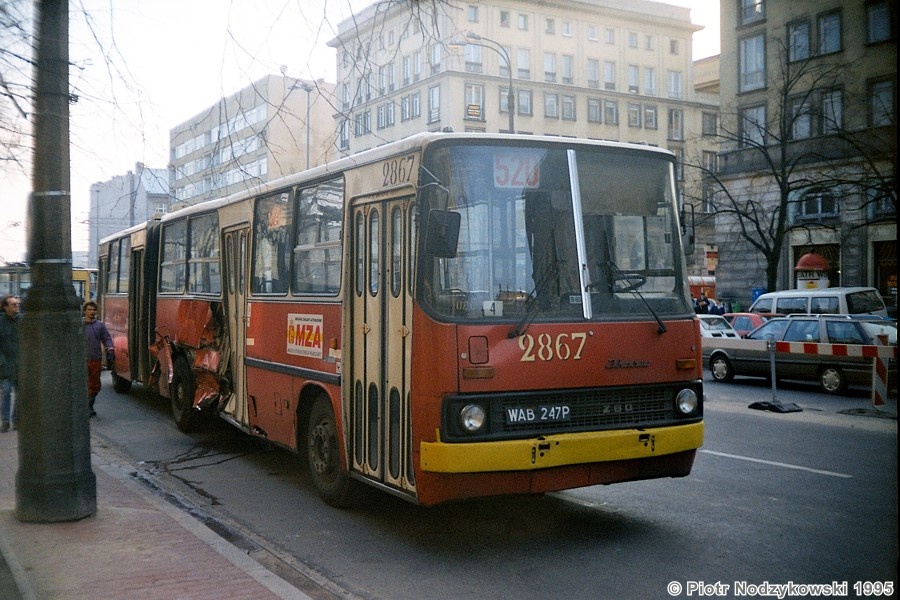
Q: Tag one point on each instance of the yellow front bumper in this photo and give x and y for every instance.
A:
(559, 450)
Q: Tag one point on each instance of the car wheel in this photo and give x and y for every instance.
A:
(832, 381)
(720, 367)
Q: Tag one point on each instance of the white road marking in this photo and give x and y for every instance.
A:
(778, 464)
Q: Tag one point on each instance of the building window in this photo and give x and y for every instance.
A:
(567, 67)
(710, 123)
(524, 103)
(676, 124)
(609, 75)
(633, 77)
(798, 41)
(650, 81)
(816, 204)
(650, 116)
(593, 73)
(609, 35)
(594, 110)
(753, 63)
(632, 39)
(550, 26)
(551, 105)
(523, 63)
(568, 108)
(505, 66)
(474, 101)
(829, 26)
(679, 162)
(753, 125)
(880, 21)
(472, 14)
(611, 112)
(675, 89)
(549, 67)
(434, 104)
(710, 161)
(473, 58)
(523, 22)
(567, 28)
(634, 114)
(404, 108)
(881, 103)
(832, 112)
(752, 11)
(504, 18)
(801, 118)
(649, 42)
(673, 47)
(435, 59)
(592, 33)
(416, 108)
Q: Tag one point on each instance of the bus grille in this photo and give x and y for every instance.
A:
(533, 414)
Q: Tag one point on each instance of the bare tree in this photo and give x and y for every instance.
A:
(15, 73)
(805, 144)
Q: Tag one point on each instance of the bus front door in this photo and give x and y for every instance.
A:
(236, 244)
(380, 320)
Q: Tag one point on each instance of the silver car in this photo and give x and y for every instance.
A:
(832, 372)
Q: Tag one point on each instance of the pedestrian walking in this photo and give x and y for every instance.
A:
(98, 341)
(9, 363)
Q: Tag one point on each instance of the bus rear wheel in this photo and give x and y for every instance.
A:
(324, 457)
(120, 384)
(181, 395)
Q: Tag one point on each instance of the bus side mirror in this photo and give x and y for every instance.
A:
(442, 233)
(687, 229)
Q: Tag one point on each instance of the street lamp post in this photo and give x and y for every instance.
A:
(499, 49)
(306, 87)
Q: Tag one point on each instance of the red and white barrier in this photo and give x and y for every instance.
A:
(880, 373)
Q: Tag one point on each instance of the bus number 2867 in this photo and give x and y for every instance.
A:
(545, 347)
(398, 170)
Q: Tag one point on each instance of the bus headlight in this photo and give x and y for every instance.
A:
(686, 402)
(472, 418)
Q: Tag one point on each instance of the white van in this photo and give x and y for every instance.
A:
(825, 301)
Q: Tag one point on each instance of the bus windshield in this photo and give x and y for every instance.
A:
(540, 233)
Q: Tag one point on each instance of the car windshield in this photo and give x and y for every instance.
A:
(550, 232)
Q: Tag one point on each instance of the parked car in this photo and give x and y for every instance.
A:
(833, 373)
(715, 326)
(745, 322)
(823, 301)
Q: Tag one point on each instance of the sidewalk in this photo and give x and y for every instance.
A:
(137, 546)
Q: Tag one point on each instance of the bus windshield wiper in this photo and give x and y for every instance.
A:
(632, 282)
(531, 305)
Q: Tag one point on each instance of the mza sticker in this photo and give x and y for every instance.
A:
(304, 335)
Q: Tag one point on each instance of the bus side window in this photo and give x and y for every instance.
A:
(271, 244)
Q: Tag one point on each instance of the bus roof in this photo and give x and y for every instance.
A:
(408, 144)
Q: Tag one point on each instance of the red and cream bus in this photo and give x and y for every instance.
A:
(444, 317)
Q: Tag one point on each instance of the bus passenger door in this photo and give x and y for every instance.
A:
(236, 252)
(380, 324)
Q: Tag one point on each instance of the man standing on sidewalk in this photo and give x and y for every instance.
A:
(9, 362)
(97, 339)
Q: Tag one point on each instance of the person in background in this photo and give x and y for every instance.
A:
(98, 340)
(9, 362)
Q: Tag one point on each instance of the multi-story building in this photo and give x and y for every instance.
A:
(258, 134)
(808, 114)
(123, 201)
(608, 69)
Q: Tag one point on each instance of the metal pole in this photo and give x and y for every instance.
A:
(54, 481)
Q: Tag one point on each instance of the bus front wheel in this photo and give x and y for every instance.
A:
(181, 395)
(324, 457)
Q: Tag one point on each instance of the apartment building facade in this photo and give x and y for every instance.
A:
(604, 69)
(123, 201)
(808, 102)
(260, 133)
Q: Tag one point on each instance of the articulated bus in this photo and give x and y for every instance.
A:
(444, 317)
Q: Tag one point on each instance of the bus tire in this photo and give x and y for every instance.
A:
(324, 457)
(181, 396)
(120, 384)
